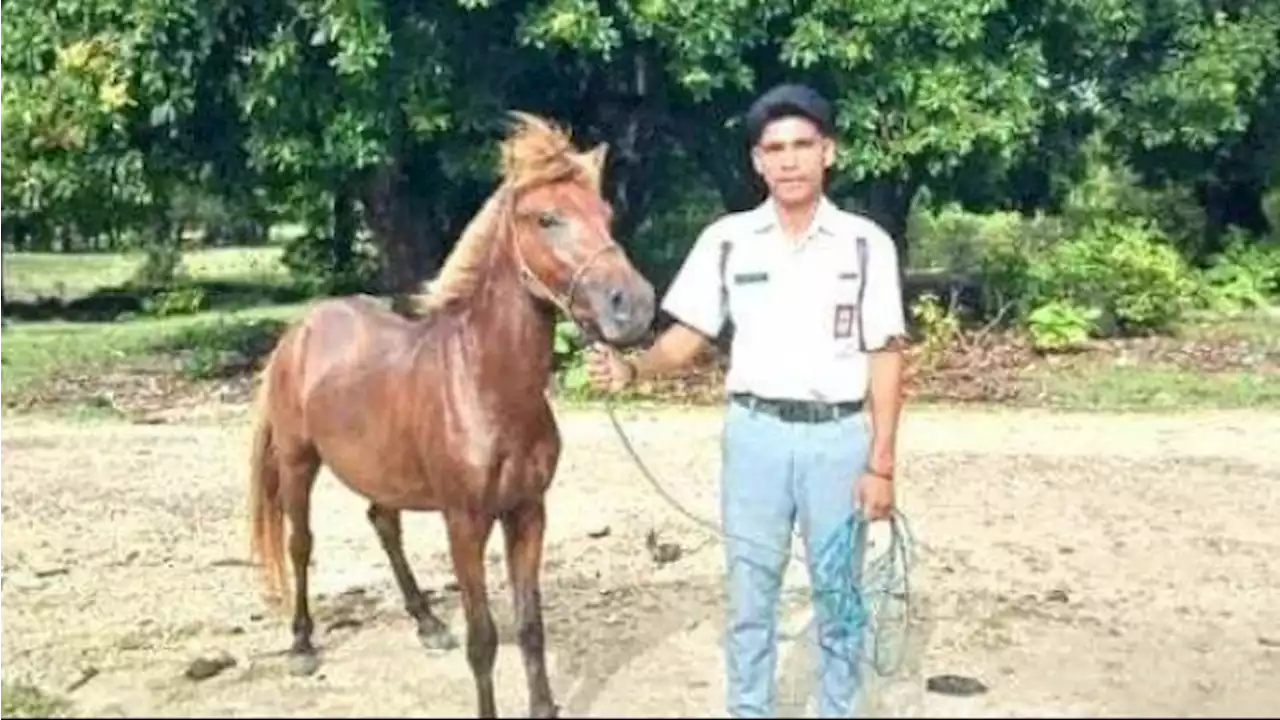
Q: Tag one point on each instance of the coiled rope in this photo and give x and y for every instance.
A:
(857, 599)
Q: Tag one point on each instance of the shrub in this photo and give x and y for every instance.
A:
(1126, 270)
(1006, 265)
(1245, 275)
(569, 362)
(223, 347)
(1110, 190)
(181, 299)
(1061, 325)
(938, 328)
(956, 240)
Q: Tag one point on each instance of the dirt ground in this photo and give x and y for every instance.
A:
(1076, 565)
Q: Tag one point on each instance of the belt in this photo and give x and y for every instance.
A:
(799, 411)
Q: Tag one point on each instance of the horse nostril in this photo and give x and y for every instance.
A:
(617, 301)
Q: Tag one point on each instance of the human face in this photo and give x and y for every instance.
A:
(792, 157)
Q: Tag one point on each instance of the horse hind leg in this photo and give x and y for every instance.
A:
(432, 632)
(298, 471)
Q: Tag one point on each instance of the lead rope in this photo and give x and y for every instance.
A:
(842, 593)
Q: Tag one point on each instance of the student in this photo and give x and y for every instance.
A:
(814, 297)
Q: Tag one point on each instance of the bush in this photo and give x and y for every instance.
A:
(953, 239)
(1061, 325)
(184, 298)
(1110, 190)
(224, 347)
(938, 328)
(1126, 270)
(1245, 275)
(568, 360)
(1007, 264)
(319, 268)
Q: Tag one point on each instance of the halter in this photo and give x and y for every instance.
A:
(535, 284)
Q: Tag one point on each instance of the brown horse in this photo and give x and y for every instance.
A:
(447, 410)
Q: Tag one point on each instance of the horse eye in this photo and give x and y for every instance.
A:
(548, 220)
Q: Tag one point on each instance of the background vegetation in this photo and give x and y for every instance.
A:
(1086, 193)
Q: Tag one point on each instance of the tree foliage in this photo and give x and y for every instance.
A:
(379, 116)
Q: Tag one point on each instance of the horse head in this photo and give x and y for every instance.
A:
(560, 234)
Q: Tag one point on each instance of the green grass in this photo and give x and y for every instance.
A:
(1104, 385)
(74, 275)
(34, 352)
(23, 700)
(1261, 327)
(1155, 388)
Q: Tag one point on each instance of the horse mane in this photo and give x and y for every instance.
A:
(535, 152)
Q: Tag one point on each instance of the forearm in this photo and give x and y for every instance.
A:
(885, 392)
(675, 349)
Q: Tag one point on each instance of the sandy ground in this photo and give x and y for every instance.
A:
(1074, 564)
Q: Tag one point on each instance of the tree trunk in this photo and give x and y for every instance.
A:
(888, 203)
(409, 251)
(344, 232)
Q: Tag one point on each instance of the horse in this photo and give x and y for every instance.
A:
(445, 408)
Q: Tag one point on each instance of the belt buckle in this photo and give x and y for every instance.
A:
(799, 411)
(789, 411)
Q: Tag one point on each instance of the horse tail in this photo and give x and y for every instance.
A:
(266, 511)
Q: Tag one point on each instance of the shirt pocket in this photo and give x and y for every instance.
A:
(748, 297)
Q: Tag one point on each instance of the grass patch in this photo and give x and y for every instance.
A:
(23, 700)
(1210, 363)
(101, 287)
(1258, 327)
(74, 275)
(1157, 388)
(198, 346)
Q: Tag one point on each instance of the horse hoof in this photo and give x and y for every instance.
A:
(547, 711)
(438, 640)
(303, 664)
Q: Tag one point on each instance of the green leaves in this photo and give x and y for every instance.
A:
(1062, 325)
(107, 104)
(577, 24)
(1204, 87)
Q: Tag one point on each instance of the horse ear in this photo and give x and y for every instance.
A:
(593, 160)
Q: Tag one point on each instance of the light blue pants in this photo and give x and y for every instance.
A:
(774, 475)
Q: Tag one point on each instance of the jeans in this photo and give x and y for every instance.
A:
(774, 475)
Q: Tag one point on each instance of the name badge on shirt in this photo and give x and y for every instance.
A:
(843, 324)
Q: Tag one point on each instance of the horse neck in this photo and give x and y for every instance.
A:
(510, 329)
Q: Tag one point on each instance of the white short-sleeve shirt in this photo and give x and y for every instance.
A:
(801, 309)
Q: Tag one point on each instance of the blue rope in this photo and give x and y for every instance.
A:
(845, 591)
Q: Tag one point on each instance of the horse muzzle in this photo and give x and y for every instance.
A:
(621, 309)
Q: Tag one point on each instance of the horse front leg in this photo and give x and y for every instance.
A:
(468, 535)
(523, 529)
(432, 632)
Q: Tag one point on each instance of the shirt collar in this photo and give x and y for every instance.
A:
(765, 217)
